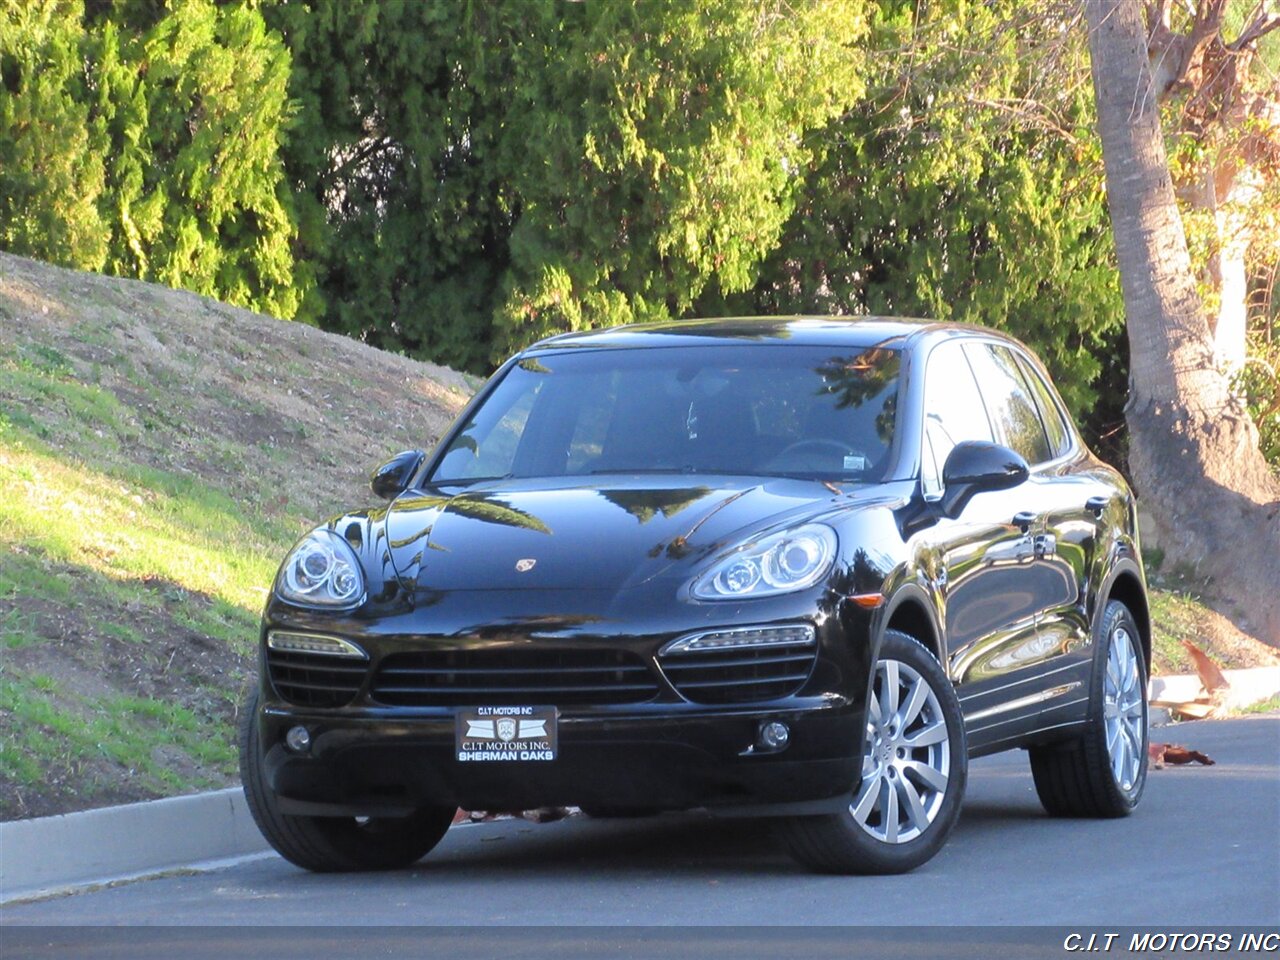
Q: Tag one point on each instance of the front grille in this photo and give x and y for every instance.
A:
(740, 674)
(530, 675)
(315, 679)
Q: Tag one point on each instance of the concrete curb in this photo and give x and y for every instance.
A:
(51, 854)
(1249, 686)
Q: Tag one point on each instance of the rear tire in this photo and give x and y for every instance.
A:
(914, 766)
(1102, 772)
(329, 844)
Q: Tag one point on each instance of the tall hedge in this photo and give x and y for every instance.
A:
(475, 175)
(144, 139)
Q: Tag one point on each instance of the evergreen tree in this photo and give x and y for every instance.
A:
(50, 176)
(965, 187)
(144, 139)
(475, 175)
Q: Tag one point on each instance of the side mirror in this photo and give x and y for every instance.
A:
(977, 466)
(392, 478)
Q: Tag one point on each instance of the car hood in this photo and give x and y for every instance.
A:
(560, 534)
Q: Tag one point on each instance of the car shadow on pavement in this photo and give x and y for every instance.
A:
(687, 842)
(998, 812)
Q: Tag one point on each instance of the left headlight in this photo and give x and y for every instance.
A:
(780, 563)
(321, 571)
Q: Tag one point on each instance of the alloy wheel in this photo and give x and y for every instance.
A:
(906, 760)
(1122, 713)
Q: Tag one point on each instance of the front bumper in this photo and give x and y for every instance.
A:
(367, 766)
(371, 758)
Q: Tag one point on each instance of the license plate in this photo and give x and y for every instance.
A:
(497, 734)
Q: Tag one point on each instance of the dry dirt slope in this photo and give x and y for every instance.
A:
(158, 453)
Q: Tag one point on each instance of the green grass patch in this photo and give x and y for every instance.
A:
(121, 631)
(17, 629)
(41, 359)
(81, 409)
(24, 576)
(189, 502)
(1175, 617)
(52, 730)
(236, 627)
(1266, 706)
(96, 632)
(13, 419)
(32, 579)
(167, 527)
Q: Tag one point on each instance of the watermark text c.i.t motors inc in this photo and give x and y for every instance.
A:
(1173, 943)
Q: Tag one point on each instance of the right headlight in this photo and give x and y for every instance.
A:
(322, 571)
(779, 563)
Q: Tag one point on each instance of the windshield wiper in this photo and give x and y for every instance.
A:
(468, 481)
(681, 470)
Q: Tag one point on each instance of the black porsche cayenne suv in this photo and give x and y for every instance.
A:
(797, 568)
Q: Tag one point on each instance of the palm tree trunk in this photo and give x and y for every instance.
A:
(1193, 450)
(1229, 271)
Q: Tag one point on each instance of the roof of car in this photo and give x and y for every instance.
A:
(861, 332)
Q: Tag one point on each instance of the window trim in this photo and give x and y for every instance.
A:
(933, 497)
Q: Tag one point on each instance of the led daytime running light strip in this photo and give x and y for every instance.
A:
(785, 635)
(313, 643)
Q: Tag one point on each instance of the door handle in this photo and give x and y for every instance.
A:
(1096, 505)
(1024, 520)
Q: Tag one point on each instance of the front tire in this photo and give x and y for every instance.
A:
(914, 767)
(1102, 772)
(331, 844)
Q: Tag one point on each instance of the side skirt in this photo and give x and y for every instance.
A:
(1040, 709)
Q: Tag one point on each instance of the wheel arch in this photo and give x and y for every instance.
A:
(910, 612)
(1125, 584)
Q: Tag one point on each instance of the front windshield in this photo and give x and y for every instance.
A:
(754, 409)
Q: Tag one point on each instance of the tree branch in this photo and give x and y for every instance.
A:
(1158, 16)
(1030, 111)
(1206, 28)
(1264, 18)
(1160, 13)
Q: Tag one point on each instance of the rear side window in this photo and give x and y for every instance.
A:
(953, 411)
(1055, 424)
(1015, 420)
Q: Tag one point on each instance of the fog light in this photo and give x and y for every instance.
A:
(774, 735)
(298, 739)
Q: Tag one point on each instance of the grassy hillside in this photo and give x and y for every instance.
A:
(158, 454)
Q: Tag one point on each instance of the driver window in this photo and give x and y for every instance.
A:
(953, 412)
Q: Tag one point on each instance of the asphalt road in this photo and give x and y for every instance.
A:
(1201, 852)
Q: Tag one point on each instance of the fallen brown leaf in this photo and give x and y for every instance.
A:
(1210, 675)
(1198, 709)
(1175, 753)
